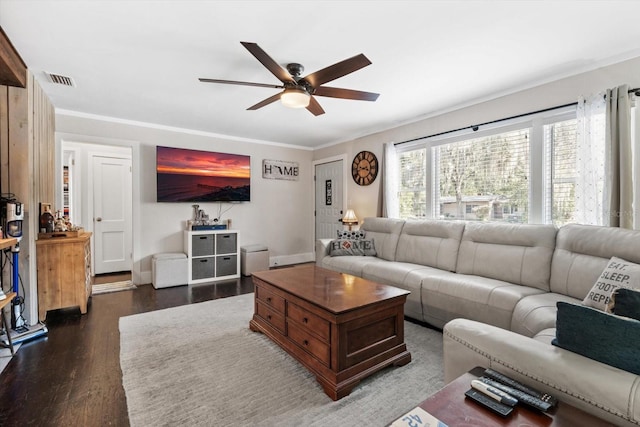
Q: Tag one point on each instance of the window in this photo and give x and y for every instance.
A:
(475, 176)
(412, 194)
(561, 144)
(521, 172)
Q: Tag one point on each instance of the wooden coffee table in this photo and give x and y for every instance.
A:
(340, 327)
(450, 406)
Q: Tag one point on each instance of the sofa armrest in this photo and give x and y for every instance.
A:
(322, 250)
(602, 390)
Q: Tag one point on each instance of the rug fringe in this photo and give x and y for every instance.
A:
(105, 288)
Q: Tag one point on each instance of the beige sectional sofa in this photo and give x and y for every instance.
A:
(501, 282)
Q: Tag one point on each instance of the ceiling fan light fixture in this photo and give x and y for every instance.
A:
(294, 97)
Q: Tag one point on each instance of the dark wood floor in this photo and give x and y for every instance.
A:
(72, 377)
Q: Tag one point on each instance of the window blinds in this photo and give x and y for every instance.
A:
(484, 178)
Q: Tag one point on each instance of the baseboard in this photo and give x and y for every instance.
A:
(276, 261)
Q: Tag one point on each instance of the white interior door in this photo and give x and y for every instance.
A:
(112, 214)
(329, 199)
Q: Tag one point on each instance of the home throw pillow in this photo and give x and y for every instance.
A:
(351, 234)
(626, 303)
(600, 336)
(617, 274)
(343, 247)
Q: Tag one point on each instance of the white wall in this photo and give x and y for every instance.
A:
(364, 200)
(280, 214)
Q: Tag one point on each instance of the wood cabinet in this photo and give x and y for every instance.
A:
(212, 255)
(64, 273)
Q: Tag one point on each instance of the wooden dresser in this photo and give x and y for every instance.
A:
(64, 273)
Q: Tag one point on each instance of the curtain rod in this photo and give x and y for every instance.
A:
(636, 91)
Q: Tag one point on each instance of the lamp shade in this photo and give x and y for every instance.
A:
(294, 97)
(350, 217)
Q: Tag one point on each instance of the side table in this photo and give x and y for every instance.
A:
(450, 406)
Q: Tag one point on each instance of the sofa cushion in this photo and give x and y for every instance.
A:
(535, 313)
(445, 297)
(347, 247)
(600, 336)
(386, 232)
(516, 253)
(618, 273)
(353, 265)
(431, 243)
(546, 335)
(402, 275)
(583, 251)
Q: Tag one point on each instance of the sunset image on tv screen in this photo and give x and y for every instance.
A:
(185, 175)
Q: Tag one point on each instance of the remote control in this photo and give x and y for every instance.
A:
(494, 393)
(522, 397)
(497, 407)
(497, 376)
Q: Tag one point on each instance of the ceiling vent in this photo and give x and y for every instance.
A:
(61, 80)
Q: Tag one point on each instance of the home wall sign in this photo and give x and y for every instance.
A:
(280, 169)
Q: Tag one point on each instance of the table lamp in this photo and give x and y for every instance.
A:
(350, 218)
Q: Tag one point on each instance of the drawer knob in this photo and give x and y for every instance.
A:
(268, 317)
(305, 320)
(305, 342)
(268, 299)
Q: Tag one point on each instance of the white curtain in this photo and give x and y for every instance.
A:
(635, 137)
(619, 161)
(390, 204)
(590, 160)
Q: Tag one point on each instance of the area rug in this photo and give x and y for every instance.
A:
(5, 356)
(106, 288)
(200, 365)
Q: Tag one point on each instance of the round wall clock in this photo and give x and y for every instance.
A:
(364, 168)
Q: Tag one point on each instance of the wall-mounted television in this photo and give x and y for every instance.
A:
(185, 175)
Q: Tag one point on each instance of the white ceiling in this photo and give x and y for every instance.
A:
(140, 60)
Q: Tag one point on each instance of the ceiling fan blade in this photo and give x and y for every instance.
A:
(335, 92)
(314, 107)
(235, 82)
(265, 102)
(337, 70)
(271, 65)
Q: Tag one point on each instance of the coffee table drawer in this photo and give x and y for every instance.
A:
(311, 344)
(272, 300)
(310, 321)
(272, 317)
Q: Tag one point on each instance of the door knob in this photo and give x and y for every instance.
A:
(98, 219)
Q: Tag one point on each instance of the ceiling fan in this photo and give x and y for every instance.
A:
(299, 91)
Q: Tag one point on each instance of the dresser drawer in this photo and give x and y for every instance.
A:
(315, 324)
(272, 317)
(310, 343)
(270, 299)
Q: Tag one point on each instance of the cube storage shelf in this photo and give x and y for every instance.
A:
(212, 255)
